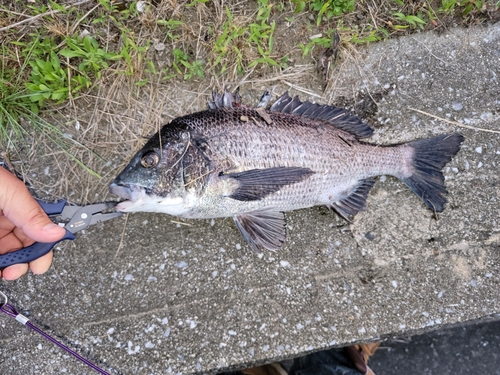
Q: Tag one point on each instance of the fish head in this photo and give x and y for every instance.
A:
(153, 180)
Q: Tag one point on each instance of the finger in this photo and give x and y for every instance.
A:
(10, 242)
(19, 207)
(42, 264)
(6, 226)
(15, 271)
(23, 238)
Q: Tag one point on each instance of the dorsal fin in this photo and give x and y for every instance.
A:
(338, 117)
(226, 100)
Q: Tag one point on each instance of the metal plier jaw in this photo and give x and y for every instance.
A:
(72, 218)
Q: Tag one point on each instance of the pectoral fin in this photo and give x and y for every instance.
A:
(256, 184)
(262, 229)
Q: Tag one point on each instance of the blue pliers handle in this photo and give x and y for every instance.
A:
(80, 217)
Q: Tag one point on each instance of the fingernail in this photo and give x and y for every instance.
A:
(52, 229)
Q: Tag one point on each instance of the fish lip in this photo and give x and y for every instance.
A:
(124, 191)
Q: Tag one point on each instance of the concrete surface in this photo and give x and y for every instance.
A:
(193, 298)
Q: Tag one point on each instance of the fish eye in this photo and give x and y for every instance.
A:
(150, 159)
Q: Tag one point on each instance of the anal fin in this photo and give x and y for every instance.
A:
(355, 201)
(262, 229)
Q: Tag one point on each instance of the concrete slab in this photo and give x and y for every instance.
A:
(193, 298)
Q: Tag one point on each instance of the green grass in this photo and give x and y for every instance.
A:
(231, 46)
(465, 6)
(19, 107)
(331, 8)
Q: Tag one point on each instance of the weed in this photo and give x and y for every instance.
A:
(48, 80)
(368, 35)
(50, 64)
(467, 5)
(183, 65)
(229, 44)
(196, 2)
(236, 38)
(14, 102)
(17, 104)
(299, 5)
(132, 53)
(93, 59)
(170, 25)
(331, 8)
(324, 42)
(410, 20)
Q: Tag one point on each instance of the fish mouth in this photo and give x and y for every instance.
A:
(122, 191)
(131, 194)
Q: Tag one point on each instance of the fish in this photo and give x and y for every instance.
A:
(254, 164)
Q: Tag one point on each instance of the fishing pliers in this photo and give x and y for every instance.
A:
(72, 218)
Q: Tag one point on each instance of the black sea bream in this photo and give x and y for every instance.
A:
(253, 164)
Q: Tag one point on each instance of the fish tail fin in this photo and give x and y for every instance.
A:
(429, 157)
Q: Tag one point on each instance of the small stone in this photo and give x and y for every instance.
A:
(141, 6)
(159, 47)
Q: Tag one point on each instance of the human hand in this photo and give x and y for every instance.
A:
(22, 222)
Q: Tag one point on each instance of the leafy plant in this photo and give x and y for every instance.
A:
(93, 58)
(48, 80)
(188, 68)
(131, 52)
(228, 44)
(369, 35)
(319, 41)
(467, 5)
(196, 2)
(331, 8)
(171, 25)
(411, 20)
(236, 38)
(18, 105)
(262, 35)
(299, 5)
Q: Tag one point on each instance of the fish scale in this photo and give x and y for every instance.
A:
(255, 164)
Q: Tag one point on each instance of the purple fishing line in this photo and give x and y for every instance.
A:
(12, 312)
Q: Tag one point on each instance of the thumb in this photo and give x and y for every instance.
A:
(24, 212)
(37, 226)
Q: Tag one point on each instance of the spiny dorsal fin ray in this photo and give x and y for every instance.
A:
(256, 184)
(225, 100)
(354, 202)
(338, 117)
(291, 105)
(262, 229)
